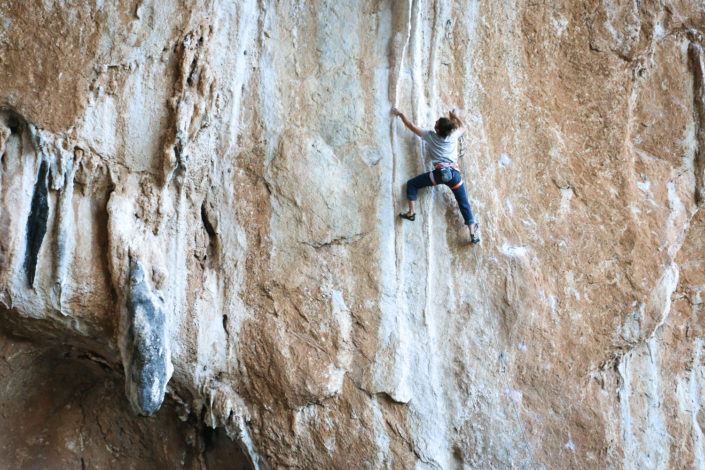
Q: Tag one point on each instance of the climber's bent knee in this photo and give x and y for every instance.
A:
(414, 184)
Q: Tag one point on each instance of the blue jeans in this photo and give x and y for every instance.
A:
(455, 184)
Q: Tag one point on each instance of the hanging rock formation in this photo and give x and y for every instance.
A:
(144, 346)
(198, 225)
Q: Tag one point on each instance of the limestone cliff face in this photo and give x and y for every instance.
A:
(197, 224)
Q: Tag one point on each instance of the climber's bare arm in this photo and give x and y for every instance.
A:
(455, 117)
(416, 130)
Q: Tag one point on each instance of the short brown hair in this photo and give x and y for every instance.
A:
(445, 127)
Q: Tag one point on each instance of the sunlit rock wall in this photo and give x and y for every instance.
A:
(198, 205)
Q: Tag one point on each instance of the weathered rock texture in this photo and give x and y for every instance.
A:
(212, 186)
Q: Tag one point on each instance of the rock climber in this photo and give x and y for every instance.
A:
(442, 146)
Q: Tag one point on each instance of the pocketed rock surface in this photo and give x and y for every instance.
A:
(198, 205)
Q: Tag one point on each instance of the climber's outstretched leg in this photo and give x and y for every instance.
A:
(462, 198)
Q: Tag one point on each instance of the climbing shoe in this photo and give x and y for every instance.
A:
(474, 239)
(408, 216)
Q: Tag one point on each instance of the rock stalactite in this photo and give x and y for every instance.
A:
(144, 345)
(65, 241)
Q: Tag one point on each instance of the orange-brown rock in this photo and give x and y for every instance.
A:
(220, 188)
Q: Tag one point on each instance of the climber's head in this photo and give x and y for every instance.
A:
(444, 127)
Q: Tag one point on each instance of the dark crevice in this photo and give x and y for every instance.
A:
(225, 324)
(349, 240)
(181, 158)
(14, 125)
(37, 223)
(97, 359)
(212, 251)
(696, 57)
(215, 449)
(192, 75)
(221, 453)
(206, 223)
(388, 399)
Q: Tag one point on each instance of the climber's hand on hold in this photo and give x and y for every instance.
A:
(415, 129)
(455, 117)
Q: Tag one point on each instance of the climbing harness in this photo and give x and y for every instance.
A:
(500, 353)
(451, 165)
(446, 173)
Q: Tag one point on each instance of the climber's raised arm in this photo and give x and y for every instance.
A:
(416, 130)
(455, 117)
